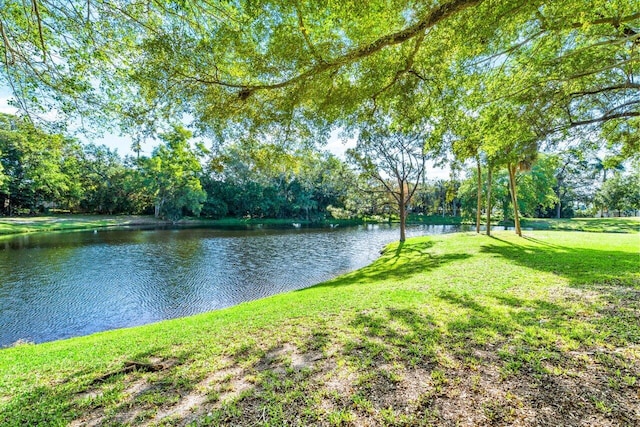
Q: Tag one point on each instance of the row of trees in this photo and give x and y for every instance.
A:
(381, 175)
(550, 189)
(39, 170)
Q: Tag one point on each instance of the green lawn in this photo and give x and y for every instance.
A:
(16, 225)
(611, 225)
(458, 329)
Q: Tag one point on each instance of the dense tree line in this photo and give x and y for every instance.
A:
(41, 171)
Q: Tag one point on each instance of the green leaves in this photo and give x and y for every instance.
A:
(172, 176)
(290, 70)
(32, 163)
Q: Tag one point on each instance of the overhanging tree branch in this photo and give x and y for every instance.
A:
(613, 20)
(623, 86)
(605, 118)
(436, 15)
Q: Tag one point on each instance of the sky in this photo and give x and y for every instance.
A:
(123, 144)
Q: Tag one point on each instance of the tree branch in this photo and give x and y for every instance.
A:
(614, 20)
(8, 50)
(605, 118)
(436, 15)
(600, 70)
(36, 10)
(305, 35)
(407, 69)
(626, 85)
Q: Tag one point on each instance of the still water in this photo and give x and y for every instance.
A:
(60, 285)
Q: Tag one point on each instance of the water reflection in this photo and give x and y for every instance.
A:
(59, 285)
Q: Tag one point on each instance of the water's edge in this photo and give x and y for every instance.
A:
(61, 285)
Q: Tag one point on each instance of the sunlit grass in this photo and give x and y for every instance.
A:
(15, 225)
(610, 225)
(511, 324)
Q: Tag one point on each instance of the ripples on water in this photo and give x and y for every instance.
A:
(60, 285)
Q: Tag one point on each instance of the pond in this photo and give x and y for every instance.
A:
(60, 285)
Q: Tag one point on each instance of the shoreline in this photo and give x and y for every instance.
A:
(11, 226)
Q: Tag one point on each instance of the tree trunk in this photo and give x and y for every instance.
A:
(489, 207)
(403, 215)
(514, 197)
(559, 194)
(158, 207)
(479, 199)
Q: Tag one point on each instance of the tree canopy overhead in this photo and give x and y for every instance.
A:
(289, 67)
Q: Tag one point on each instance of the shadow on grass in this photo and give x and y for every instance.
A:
(412, 335)
(545, 353)
(581, 266)
(402, 262)
(62, 402)
(522, 353)
(551, 352)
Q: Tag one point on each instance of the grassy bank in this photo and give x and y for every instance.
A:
(17, 225)
(609, 225)
(435, 220)
(275, 222)
(449, 330)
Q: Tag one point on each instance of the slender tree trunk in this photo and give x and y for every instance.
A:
(403, 215)
(423, 189)
(489, 207)
(514, 197)
(158, 207)
(559, 194)
(604, 179)
(479, 199)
